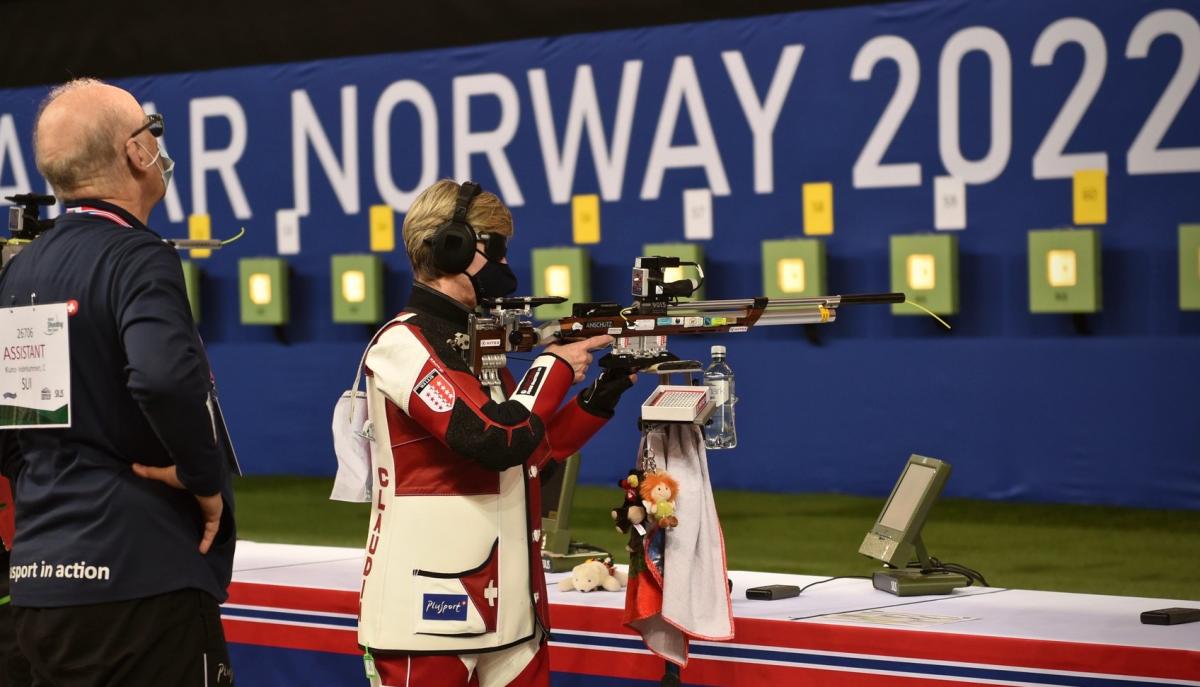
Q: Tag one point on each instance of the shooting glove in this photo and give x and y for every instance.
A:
(601, 397)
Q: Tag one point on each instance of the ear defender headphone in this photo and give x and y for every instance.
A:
(453, 243)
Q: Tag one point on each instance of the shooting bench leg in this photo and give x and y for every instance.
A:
(671, 677)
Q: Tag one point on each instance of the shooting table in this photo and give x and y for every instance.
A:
(291, 619)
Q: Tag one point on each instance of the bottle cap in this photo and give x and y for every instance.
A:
(718, 350)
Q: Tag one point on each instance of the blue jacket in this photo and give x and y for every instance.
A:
(88, 529)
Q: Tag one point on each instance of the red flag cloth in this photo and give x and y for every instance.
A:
(8, 522)
(643, 598)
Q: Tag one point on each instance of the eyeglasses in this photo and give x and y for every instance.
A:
(154, 125)
(495, 246)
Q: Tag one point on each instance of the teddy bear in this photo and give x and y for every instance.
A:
(594, 574)
(658, 492)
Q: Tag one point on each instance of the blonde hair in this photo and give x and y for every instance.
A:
(435, 206)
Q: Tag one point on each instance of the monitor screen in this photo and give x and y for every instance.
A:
(915, 481)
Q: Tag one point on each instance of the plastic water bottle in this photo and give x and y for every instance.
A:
(720, 432)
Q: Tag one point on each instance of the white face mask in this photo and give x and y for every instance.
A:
(167, 167)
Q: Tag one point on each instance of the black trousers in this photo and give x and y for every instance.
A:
(171, 639)
(14, 669)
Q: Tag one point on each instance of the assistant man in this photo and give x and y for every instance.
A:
(124, 521)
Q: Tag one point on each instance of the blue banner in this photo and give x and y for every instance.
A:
(1008, 97)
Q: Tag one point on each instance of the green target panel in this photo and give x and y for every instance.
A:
(925, 268)
(564, 272)
(793, 268)
(1064, 271)
(1189, 266)
(191, 280)
(357, 288)
(263, 283)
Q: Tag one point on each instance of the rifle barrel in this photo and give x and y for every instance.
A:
(831, 301)
(195, 243)
(777, 311)
(876, 298)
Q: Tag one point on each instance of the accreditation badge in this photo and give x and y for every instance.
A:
(35, 367)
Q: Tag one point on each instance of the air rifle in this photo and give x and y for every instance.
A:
(25, 224)
(505, 325)
(640, 330)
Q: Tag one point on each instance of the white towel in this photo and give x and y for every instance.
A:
(696, 601)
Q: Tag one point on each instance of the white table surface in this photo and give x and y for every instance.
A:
(1089, 618)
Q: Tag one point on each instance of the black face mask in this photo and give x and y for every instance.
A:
(493, 280)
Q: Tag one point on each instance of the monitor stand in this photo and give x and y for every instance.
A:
(918, 582)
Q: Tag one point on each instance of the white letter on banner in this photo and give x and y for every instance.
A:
(684, 85)
(992, 44)
(222, 161)
(306, 128)
(1145, 154)
(10, 151)
(585, 111)
(869, 169)
(174, 207)
(467, 142)
(1050, 162)
(399, 92)
(762, 117)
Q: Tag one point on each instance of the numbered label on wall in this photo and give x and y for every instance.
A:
(383, 228)
(949, 203)
(287, 232)
(585, 218)
(818, 208)
(199, 228)
(1091, 197)
(697, 214)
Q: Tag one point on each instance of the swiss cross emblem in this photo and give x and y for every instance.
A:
(435, 391)
(72, 307)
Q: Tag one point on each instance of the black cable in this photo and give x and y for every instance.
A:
(972, 575)
(969, 572)
(831, 579)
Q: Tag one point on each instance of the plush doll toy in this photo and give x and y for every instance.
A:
(658, 491)
(630, 483)
(628, 518)
(630, 512)
(593, 574)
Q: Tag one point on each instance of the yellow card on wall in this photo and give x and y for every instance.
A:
(383, 228)
(585, 218)
(818, 208)
(1091, 196)
(200, 227)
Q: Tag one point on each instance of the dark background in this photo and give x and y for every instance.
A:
(46, 42)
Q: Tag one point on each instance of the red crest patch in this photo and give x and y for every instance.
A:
(436, 392)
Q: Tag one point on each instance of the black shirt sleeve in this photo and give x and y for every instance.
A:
(167, 372)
